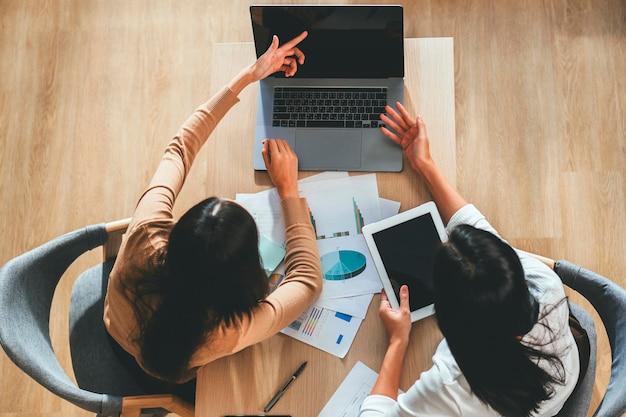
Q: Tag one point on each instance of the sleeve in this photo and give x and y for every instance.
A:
(152, 220)
(428, 396)
(157, 201)
(300, 286)
(435, 393)
(376, 405)
(470, 215)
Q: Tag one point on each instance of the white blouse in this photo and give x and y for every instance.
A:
(443, 390)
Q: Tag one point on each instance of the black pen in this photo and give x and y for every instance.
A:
(281, 391)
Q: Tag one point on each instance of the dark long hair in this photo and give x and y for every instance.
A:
(483, 306)
(212, 274)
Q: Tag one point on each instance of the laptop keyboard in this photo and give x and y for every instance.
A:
(328, 107)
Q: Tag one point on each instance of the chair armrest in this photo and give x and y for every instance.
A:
(132, 406)
(549, 262)
(115, 230)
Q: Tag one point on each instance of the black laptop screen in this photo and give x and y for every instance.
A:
(343, 41)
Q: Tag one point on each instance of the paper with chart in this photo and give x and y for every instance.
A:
(347, 268)
(328, 330)
(339, 206)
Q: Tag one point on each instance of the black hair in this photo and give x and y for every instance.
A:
(483, 307)
(212, 274)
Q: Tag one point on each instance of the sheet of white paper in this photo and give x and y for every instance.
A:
(347, 400)
(326, 175)
(354, 306)
(327, 330)
(389, 208)
(264, 207)
(341, 206)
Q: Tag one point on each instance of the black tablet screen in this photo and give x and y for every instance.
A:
(407, 251)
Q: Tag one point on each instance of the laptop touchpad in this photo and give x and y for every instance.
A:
(332, 149)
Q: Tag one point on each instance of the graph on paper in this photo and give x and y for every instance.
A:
(356, 220)
(306, 324)
(342, 264)
(358, 217)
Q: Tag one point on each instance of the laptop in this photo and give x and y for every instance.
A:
(329, 112)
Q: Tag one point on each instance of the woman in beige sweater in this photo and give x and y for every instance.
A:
(184, 293)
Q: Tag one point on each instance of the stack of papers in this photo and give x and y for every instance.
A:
(339, 205)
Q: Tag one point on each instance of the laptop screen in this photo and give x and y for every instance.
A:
(343, 42)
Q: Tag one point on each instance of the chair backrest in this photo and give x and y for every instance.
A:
(27, 285)
(577, 405)
(609, 300)
(100, 364)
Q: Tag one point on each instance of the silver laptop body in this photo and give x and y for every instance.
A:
(329, 111)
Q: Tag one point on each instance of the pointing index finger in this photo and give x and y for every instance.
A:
(292, 43)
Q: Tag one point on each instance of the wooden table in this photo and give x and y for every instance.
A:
(243, 383)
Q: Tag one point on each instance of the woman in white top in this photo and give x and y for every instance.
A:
(508, 349)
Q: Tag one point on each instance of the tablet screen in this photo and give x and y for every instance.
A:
(407, 251)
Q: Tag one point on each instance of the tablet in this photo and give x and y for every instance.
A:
(403, 248)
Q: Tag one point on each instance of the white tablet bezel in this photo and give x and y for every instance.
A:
(369, 230)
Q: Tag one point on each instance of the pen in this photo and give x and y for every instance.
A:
(282, 390)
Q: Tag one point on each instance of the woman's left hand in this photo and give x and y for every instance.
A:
(279, 58)
(397, 322)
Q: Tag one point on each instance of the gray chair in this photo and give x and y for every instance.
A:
(609, 300)
(577, 405)
(106, 385)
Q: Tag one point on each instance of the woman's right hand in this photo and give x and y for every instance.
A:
(282, 166)
(284, 58)
(410, 134)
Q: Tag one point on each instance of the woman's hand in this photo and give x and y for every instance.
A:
(410, 134)
(398, 325)
(397, 322)
(282, 166)
(284, 58)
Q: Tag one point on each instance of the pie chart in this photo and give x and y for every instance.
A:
(342, 264)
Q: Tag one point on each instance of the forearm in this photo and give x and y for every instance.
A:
(447, 198)
(302, 260)
(388, 382)
(241, 80)
(192, 135)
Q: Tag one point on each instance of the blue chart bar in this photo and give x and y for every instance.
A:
(358, 218)
(312, 220)
(342, 264)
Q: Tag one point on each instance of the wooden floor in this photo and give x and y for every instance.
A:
(91, 91)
